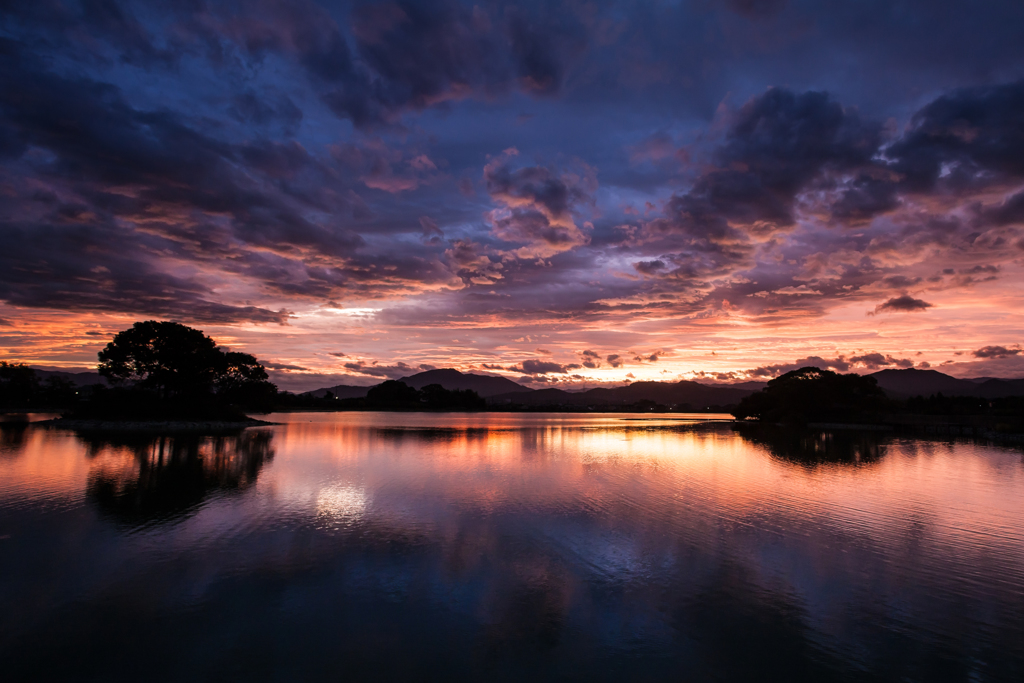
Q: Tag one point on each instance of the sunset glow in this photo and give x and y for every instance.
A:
(559, 193)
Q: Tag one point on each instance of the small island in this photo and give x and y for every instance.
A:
(812, 398)
(165, 376)
(159, 375)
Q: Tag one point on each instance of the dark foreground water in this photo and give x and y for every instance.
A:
(374, 546)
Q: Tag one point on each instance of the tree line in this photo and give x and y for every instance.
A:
(391, 395)
(22, 388)
(814, 395)
(169, 371)
(154, 370)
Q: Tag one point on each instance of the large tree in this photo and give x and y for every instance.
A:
(176, 360)
(814, 395)
(245, 382)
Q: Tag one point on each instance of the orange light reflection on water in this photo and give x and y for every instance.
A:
(660, 475)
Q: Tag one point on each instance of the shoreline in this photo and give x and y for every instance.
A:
(151, 425)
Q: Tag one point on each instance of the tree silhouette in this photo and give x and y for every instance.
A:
(811, 394)
(169, 365)
(392, 394)
(19, 384)
(244, 381)
(171, 358)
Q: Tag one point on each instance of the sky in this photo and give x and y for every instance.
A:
(563, 193)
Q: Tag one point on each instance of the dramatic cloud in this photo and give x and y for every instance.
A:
(996, 352)
(868, 361)
(777, 144)
(872, 361)
(270, 365)
(541, 367)
(538, 207)
(459, 183)
(902, 304)
(395, 371)
(971, 136)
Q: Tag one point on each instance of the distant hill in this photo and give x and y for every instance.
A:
(537, 397)
(450, 379)
(666, 393)
(484, 385)
(1000, 388)
(899, 384)
(339, 391)
(79, 379)
(751, 385)
(913, 382)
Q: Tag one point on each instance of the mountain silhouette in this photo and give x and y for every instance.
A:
(79, 379)
(483, 385)
(898, 384)
(913, 382)
(450, 379)
(339, 391)
(699, 396)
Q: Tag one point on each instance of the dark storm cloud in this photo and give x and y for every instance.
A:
(902, 304)
(542, 367)
(777, 145)
(968, 137)
(168, 152)
(428, 51)
(865, 197)
(98, 140)
(386, 371)
(1010, 212)
(93, 267)
(995, 352)
(271, 365)
(540, 206)
(963, 142)
(104, 169)
(394, 57)
(649, 267)
(257, 108)
(873, 361)
(788, 161)
(756, 8)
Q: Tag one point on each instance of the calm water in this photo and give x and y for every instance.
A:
(496, 547)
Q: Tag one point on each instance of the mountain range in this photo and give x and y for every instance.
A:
(898, 384)
(484, 385)
(912, 382)
(79, 379)
(697, 395)
(503, 391)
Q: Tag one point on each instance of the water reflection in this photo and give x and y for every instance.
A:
(12, 436)
(814, 447)
(138, 478)
(408, 546)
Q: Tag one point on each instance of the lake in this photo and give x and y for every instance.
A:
(509, 547)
